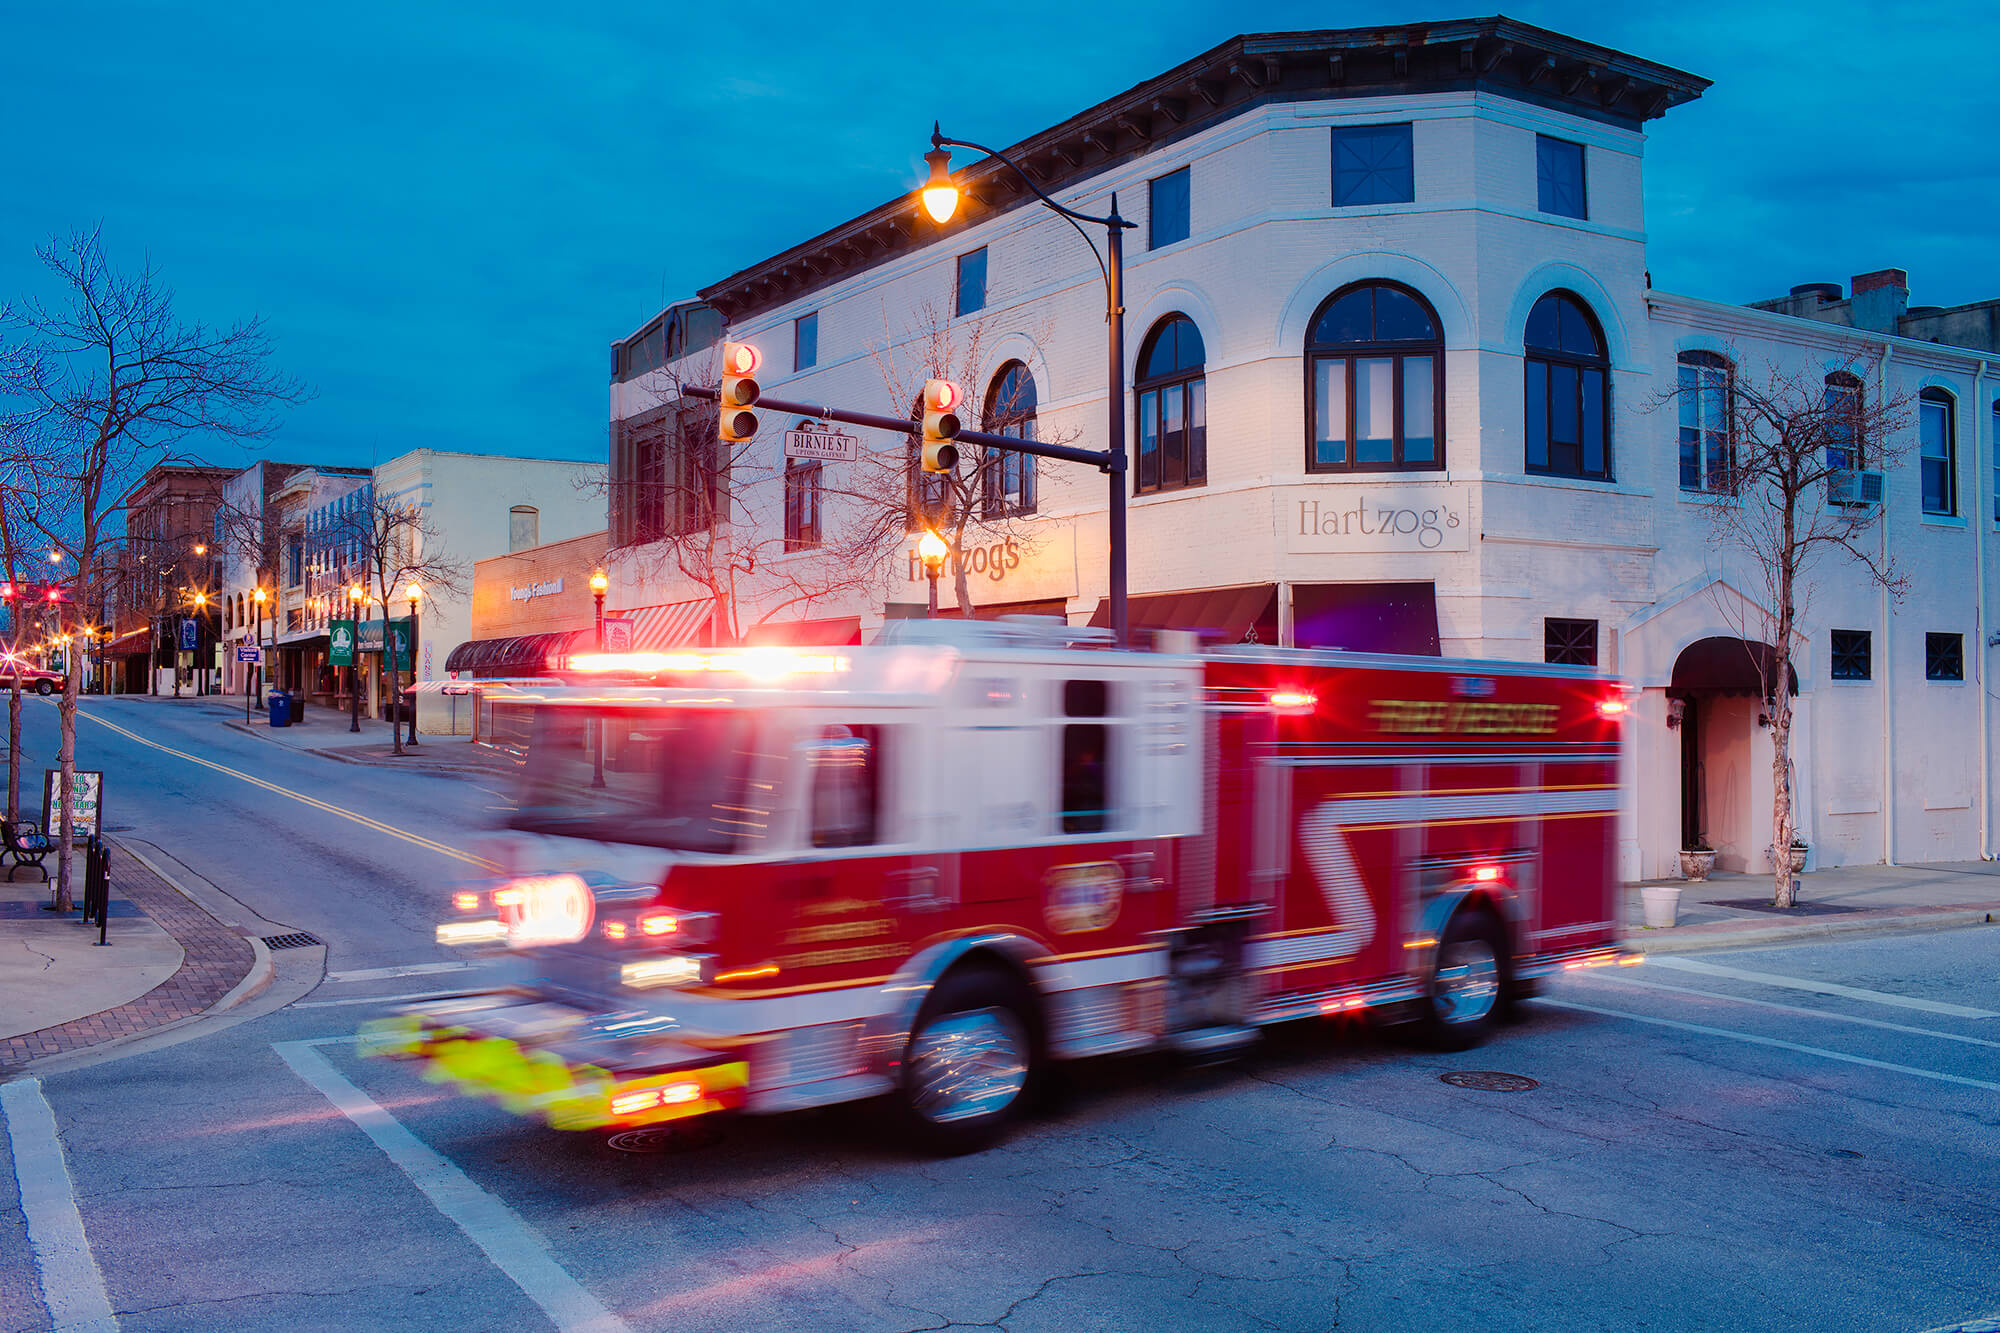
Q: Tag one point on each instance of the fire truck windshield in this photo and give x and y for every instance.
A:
(678, 778)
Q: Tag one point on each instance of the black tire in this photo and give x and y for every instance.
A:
(973, 1058)
(1468, 982)
(45, 688)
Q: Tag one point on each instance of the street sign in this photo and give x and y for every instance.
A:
(617, 634)
(340, 643)
(249, 652)
(188, 640)
(87, 793)
(829, 446)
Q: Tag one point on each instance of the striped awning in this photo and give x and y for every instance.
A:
(675, 625)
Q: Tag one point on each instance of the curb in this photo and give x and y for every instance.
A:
(1750, 935)
(262, 968)
(422, 764)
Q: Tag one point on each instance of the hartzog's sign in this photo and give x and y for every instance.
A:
(1357, 519)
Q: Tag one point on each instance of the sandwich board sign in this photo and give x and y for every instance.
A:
(85, 803)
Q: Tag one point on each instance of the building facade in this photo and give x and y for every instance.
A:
(1397, 381)
(167, 577)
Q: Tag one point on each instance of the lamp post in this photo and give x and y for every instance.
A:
(200, 620)
(599, 585)
(354, 599)
(257, 596)
(940, 198)
(414, 593)
(932, 550)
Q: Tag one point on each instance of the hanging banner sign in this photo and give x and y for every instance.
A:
(188, 640)
(340, 643)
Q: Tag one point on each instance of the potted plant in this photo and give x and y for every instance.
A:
(1697, 861)
(1799, 850)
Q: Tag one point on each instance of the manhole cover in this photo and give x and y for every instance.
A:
(656, 1138)
(1488, 1080)
(300, 940)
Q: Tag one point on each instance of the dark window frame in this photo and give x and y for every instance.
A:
(805, 341)
(1548, 189)
(1399, 351)
(1709, 480)
(1007, 479)
(959, 286)
(1853, 653)
(1182, 211)
(804, 498)
(1546, 362)
(1944, 656)
(1947, 403)
(1569, 642)
(1360, 181)
(1190, 384)
(1842, 385)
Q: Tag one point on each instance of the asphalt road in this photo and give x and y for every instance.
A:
(1803, 1139)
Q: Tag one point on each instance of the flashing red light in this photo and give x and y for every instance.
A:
(6, 592)
(739, 358)
(1485, 874)
(1612, 707)
(658, 923)
(509, 897)
(614, 930)
(55, 594)
(940, 395)
(1294, 701)
(465, 902)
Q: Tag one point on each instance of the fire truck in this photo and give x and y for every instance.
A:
(927, 869)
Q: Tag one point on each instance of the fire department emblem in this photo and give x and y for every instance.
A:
(1082, 897)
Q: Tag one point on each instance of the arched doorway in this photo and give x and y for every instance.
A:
(1717, 700)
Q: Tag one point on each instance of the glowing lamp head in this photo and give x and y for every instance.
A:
(355, 595)
(258, 596)
(933, 550)
(599, 583)
(413, 592)
(939, 194)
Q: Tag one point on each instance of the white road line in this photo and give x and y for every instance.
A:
(515, 1248)
(72, 1286)
(406, 970)
(1821, 987)
(413, 995)
(1754, 1040)
(1605, 975)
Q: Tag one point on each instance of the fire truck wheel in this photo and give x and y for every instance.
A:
(1466, 983)
(971, 1058)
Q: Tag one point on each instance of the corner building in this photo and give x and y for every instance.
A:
(1394, 369)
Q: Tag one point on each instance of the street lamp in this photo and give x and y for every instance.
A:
(599, 585)
(354, 599)
(932, 550)
(257, 596)
(940, 199)
(413, 592)
(200, 620)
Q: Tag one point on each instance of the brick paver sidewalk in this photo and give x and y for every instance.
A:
(216, 959)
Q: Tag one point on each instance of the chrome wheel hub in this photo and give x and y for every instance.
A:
(968, 1064)
(1468, 981)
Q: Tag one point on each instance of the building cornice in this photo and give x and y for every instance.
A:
(1492, 55)
(1748, 320)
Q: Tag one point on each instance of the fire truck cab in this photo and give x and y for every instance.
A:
(928, 868)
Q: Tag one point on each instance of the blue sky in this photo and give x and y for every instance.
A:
(447, 212)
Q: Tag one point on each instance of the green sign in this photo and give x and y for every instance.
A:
(340, 643)
(400, 631)
(370, 637)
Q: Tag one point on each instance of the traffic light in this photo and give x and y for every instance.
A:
(738, 393)
(940, 425)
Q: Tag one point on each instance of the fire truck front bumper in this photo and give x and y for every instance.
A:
(550, 1062)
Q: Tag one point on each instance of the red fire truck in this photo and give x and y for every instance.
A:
(769, 879)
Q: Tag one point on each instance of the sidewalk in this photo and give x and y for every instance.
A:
(1714, 914)
(325, 733)
(166, 959)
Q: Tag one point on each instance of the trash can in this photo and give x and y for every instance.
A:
(281, 708)
(295, 707)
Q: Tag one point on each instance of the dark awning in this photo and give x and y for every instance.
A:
(1722, 665)
(807, 633)
(1366, 617)
(520, 655)
(1219, 615)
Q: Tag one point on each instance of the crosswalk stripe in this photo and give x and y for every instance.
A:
(1620, 980)
(72, 1284)
(1680, 964)
(402, 970)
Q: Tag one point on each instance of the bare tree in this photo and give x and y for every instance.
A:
(103, 382)
(398, 545)
(1779, 461)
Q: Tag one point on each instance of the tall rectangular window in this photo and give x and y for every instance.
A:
(802, 497)
(1939, 452)
(1167, 210)
(1944, 657)
(1559, 185)
(1995, 437)
(805, 341)
(971, 283)
(1705, 391)
(1569, 642)
(1851, 655)
(1373, 164)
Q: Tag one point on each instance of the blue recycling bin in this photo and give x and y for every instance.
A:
(281, 708)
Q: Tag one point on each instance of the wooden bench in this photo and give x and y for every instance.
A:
(24, 842)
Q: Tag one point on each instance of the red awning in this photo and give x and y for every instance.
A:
(1722, 665)
(657, 629)
(1219, 615)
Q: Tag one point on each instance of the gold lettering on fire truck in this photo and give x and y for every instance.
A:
(843, 930)
(860, 953)
(1082, 897)
(1460, 717)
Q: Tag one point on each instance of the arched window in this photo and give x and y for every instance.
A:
(524, 527)
(1173, 407)
(1842, 402)
(1937, 431)
(1568, 402)
(1375, 382)
(1007, 479)
(1707, 411)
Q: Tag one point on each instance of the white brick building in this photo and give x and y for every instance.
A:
(1426, 363)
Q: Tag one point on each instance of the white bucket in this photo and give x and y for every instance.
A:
(1662, 904)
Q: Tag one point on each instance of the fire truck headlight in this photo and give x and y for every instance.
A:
(471, 932)
(672, 970)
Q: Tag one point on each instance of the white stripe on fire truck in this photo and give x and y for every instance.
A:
(1412, 809)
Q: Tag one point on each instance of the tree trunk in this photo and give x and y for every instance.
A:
(1785, 885)
(14, 749)
(395, 695)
